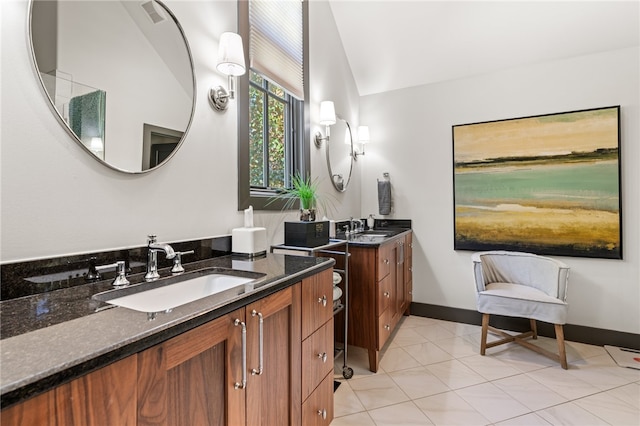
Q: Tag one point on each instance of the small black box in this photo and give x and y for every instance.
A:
(306, 234)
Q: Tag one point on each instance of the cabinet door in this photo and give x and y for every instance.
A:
(317, 358)
(191, 379)
(273, 388)
(318, 408)
(384, 294)
(386, 255)
(408, 272)
(105, 396)
(400, 281)
(317, 301)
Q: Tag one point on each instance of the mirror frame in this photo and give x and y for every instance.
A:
(66, 126)
(345, 185)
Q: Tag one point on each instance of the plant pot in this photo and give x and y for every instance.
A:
(307, 215)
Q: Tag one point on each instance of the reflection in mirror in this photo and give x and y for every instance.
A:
(339, 151)
(119, 77)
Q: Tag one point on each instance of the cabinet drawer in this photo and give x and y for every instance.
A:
(317, 301)
(317, 410)
(317, 358)
(385, 327)
(385, 261)
(384, 294)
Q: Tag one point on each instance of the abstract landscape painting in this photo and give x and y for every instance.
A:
(547, 184)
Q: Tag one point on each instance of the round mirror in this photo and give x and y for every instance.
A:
(119, 77)
(339, 151)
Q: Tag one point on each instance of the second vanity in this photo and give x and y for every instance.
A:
(381, 286)
(250, 360)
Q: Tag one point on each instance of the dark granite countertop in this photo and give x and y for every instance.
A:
(54, 337)
(374, 237)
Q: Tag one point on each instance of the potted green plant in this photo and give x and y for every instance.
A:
(304, 189)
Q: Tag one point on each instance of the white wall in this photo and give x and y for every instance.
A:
(411, 134)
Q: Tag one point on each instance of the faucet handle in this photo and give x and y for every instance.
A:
(92, 273)
(120, 280)
(151, 238)
(177, 267)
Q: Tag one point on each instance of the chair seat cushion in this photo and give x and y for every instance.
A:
(517, 300)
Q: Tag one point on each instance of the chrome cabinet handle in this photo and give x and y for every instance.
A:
(243, 384)
(323, 356)
(261, 344)
(323, 300)
(323, 413)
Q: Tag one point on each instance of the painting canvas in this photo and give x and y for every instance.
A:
(547, 184)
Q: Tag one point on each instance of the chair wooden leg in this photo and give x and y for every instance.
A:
(483, 338)
(562, 354)
(534, 328)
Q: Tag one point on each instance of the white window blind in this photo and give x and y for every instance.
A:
(276, 42)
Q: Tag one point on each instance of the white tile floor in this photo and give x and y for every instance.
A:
(431, 373)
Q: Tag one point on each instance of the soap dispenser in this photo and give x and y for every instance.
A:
(371, 221)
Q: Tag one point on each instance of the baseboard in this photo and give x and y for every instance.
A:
(575, 333)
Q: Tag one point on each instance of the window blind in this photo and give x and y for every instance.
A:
(276, 42)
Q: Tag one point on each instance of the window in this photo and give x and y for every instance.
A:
(273, 135)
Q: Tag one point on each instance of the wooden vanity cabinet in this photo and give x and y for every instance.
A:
(380, 281)
(104, 397)
(197, 377)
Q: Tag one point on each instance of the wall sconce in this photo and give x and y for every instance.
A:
(327, 118)
(363, 138)
(230, 63)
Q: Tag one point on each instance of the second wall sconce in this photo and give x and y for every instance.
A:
(363, 138)
(230, 63)
(327, 118)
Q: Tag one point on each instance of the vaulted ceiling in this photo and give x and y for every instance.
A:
(393, 44)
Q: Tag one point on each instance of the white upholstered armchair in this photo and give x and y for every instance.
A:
(522, 285)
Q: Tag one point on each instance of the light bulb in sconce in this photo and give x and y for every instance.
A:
(327, 119)
(363, 139)
(231, 63)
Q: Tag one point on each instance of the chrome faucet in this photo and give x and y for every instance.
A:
(152, 257)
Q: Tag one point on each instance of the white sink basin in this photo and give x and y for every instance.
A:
(164, 298)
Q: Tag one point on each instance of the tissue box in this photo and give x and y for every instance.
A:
(306, 234)
(249, 241)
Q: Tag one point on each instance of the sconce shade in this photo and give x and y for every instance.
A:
(363, 134)
(231, 54)
(327, 113)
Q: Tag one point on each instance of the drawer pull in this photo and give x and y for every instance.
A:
(323, 356)
(243, 384)
(323, 300)
(323, 413)
(386, 261)
(387, 327)
(386, 294)
(258, 371)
